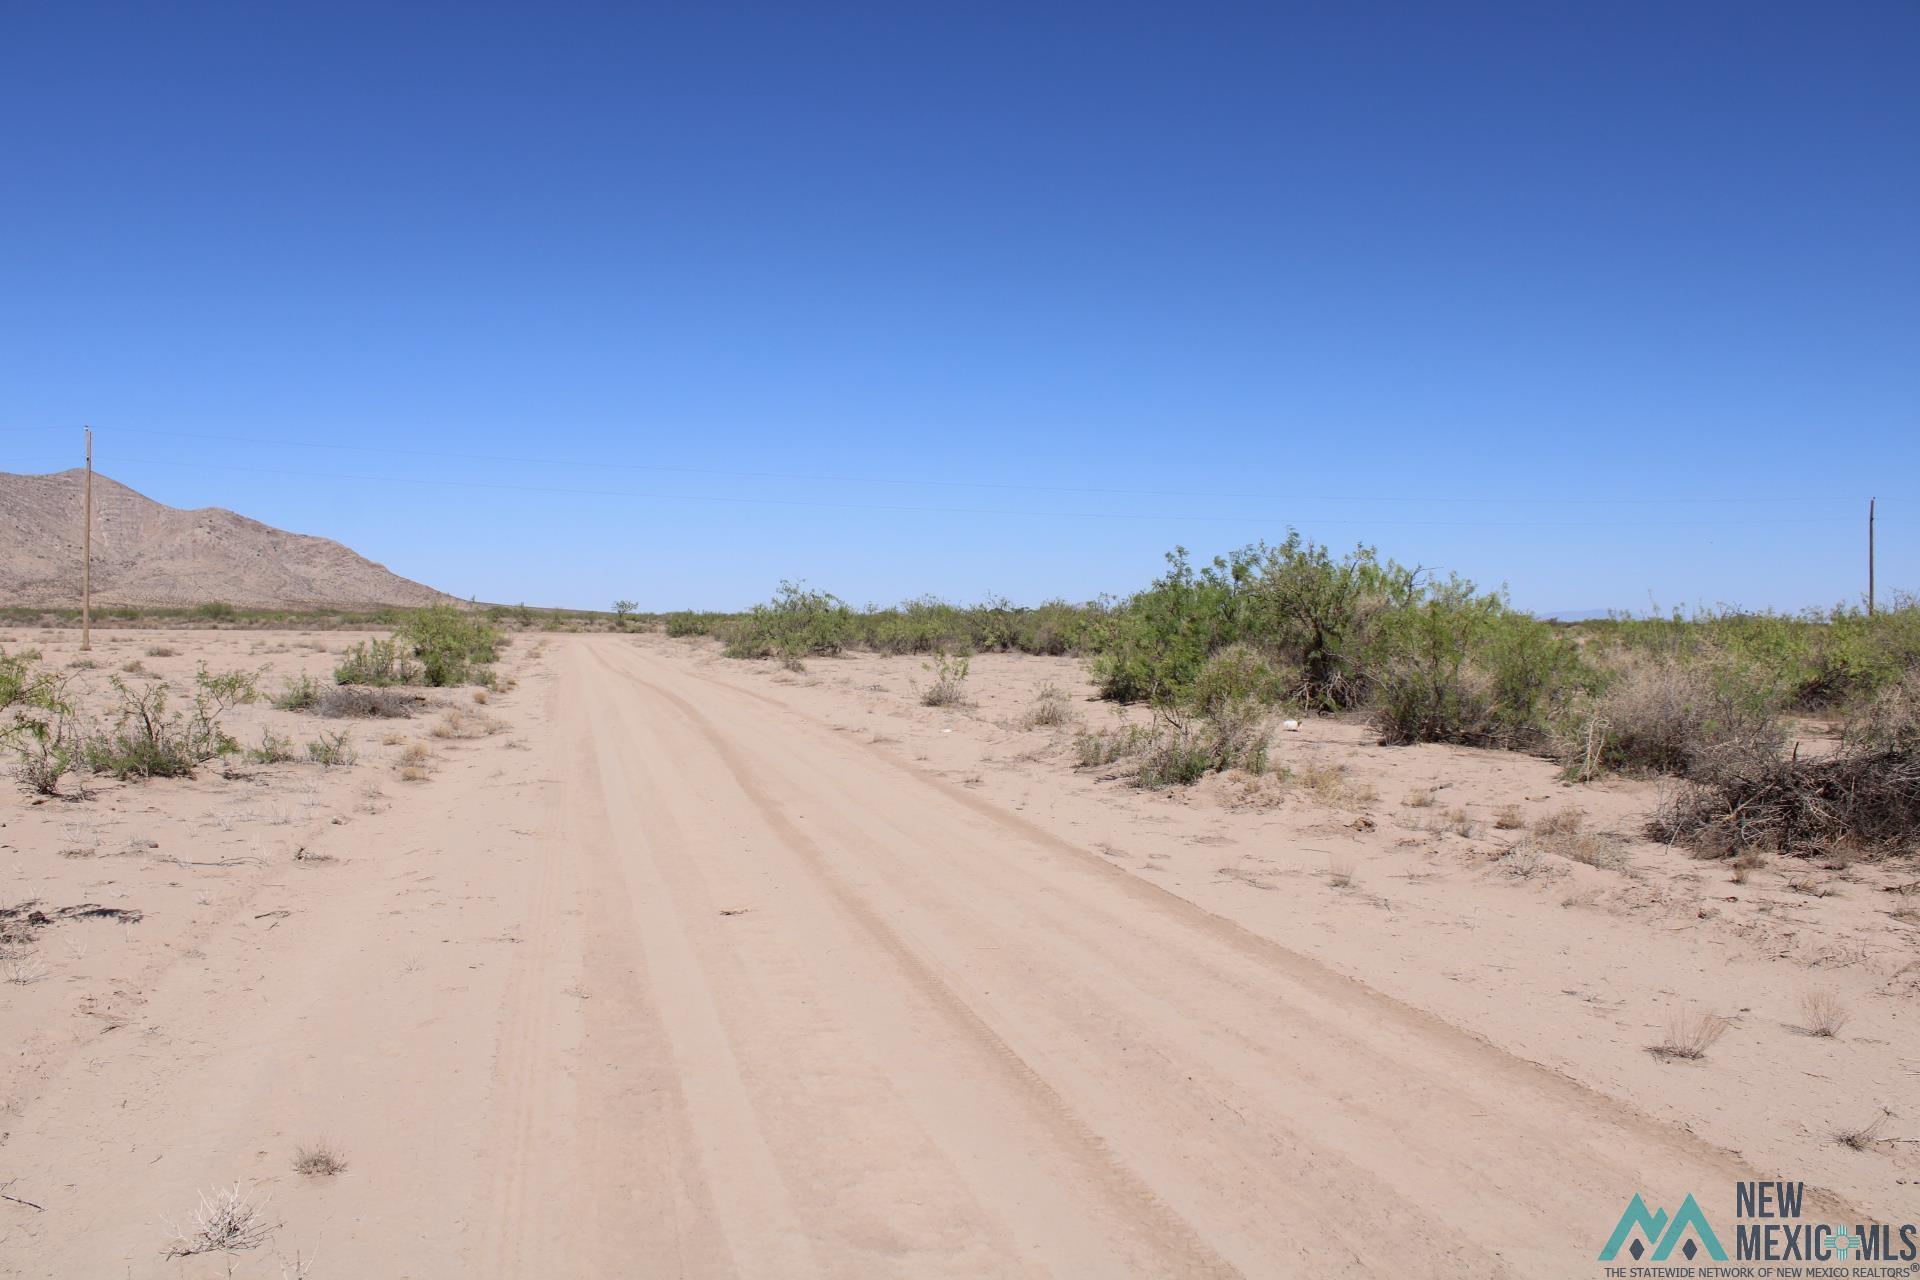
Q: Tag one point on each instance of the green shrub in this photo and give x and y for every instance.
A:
(795, 624)
(949, 687)
(451, 645)
(332, 750)
(147, 740)
(1184, 748)
(377, 662)
(297, 694)
(689, 623)
(273, 749)
(1240, 674)
(1455, 665)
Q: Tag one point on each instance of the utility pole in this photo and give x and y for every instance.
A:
(1871, 502)
(86, 557)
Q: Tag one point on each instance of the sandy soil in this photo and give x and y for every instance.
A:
(693, 967)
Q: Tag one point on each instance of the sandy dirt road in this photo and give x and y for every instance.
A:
(695, 985)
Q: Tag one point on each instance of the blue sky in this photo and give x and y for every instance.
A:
(1614, 304)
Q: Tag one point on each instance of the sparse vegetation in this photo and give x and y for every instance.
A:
(319, 1160)
(298, 694)
(227, 1220)
(356, 702)
(146, 739)
(273, 749)
(1690, 1034)
(458, 722)
(949, 687)
(1824, 1013)
(1050, 709)
(333, 750)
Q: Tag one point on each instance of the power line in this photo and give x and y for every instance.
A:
(736, 500)
(925, 482)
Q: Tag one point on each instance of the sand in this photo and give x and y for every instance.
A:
(697, 967)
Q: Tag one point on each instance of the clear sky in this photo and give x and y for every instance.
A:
(1613, 303)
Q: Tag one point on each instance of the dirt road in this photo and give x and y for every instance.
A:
(696, 985)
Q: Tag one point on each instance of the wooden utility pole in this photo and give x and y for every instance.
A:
(86, 557)
(1870, 505)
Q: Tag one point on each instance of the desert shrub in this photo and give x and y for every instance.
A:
(1239, 674)
(451, 645)
(796, 623)
(297, 694)
(146, 739)
(215, 611)
(1890, 720)
(1093, 748)
(228, 689)
(332, 750)
(40, 727)
(690, 623)
(1667, 715)
(1318, 615)
(1050, 709)
(1456, 665)
(343, 701)
(1152, 648)
(273, 749)
(949, 687)
(1183, 748)
(159, 651)
(377, 662)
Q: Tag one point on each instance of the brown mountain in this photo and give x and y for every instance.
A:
(148, 554)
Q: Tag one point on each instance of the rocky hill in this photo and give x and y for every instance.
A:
(145, 553)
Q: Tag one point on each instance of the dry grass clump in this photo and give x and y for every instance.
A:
(1098, 747)
(1457, 821)
(1508, 818)
(227, 1220)
(458, 722)
(481, 696)
(1867, 1136)
(414, 763)
(1049, 709)
(1340, 871)
(1690, 1035)
(318, 1160)
(160, 651)
(21, 970)
(1564, 834)
(1419, 798)
(1824, 1013)
(1665, 716)
(1331, 786)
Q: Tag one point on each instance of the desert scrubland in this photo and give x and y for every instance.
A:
(638, 958)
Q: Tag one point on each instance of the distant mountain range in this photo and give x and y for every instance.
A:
(145, 553)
